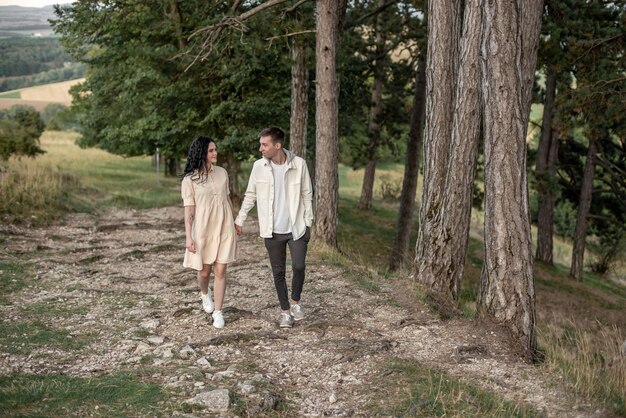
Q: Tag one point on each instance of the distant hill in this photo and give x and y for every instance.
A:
(25, 21)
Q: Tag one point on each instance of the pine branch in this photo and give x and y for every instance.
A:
(213, 34)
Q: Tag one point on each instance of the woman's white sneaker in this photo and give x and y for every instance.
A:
(218, 319)
(207, 302)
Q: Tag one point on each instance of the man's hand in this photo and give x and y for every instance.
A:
(239, 229)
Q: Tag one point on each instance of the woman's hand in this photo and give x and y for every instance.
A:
(190, 245)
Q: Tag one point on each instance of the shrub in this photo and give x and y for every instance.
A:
(35, 195)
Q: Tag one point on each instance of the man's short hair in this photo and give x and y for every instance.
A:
(277, 134)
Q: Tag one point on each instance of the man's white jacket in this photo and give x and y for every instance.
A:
(298, 193)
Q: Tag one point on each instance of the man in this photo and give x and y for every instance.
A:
(280, 186)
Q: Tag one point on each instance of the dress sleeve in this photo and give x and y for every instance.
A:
(187, 192)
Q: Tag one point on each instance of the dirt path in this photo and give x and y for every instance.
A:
(120, 280)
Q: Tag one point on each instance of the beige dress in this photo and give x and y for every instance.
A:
(213, 228)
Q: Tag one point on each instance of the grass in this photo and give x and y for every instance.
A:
(592, 361)
(38, 195)
(430, 393)
(53, 308)
(26, 336)
(52, 395)
(13, 277)
(67, 178)
(11, 95)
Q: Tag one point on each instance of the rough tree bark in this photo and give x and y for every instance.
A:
(329, 18)
(441, 269)
(299, 98)
(376, 107)
(443, 35)
(400, 249)
(580, 234)
(545, 171)
(506, 294)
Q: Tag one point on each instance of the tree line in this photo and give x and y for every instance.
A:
(34, 61)
(367, 78)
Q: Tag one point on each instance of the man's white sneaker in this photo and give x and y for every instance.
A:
(286, 321)
(218, 319)
(207, 302)
(296, 312)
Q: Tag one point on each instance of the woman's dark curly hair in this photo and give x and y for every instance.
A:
(196, 165)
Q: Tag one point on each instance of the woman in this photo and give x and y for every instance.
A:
(209, 226)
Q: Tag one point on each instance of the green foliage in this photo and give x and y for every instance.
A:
(26, 56)
(53, 395)
(57, 117)
(361, 61)
(565, 219)
(55, 75)
(583, 45)
(20, 129)
(142, 91)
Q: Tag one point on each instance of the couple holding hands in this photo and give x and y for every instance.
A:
(280, 186)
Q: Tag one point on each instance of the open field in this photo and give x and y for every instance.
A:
(39, 96)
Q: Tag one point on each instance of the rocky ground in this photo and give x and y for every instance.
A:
(123, 288)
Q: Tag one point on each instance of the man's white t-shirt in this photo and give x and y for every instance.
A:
(281, 212)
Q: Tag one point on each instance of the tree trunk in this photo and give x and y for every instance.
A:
(545, 170)
(232, 165)
(400, 249)
(376, 107)
(441, 268)
(531, 12)
(443, 35)
(578, 252)
(506, 294)
(299, 98)
(367, 189)
(328, 18)
(175, 15)
(172, 166)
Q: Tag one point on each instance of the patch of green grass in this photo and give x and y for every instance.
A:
(25, 336)
(434, 394)
(51, 395)
(13, 278)
(366, 237)
(467, 300)
(605, 285)
(366, 281)
(54, 308)
(11, 95)
(572, 289)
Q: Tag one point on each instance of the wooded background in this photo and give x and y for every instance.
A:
(451, 86)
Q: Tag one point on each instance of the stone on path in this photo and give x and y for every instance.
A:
(217, 400)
